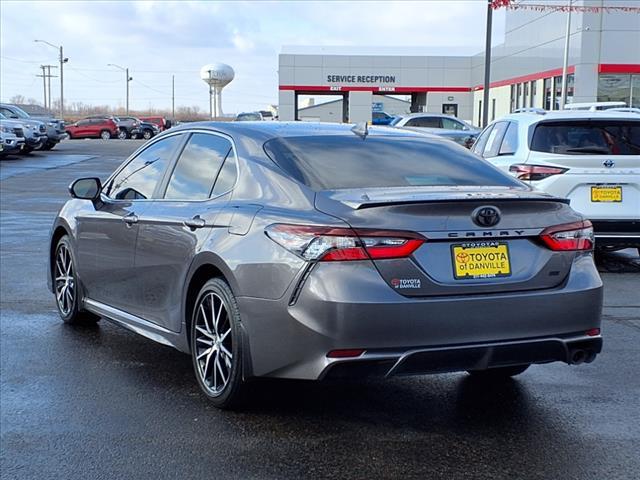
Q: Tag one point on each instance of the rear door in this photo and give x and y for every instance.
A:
(177, 224)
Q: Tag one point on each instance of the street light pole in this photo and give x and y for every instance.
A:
(127, 80)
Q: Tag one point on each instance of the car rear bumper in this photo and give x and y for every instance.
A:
(349, 306)
(617, 233)
(574, 349)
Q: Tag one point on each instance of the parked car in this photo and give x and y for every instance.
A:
(590, 158)
(146, 130)
(55, 126)
(11, 137)
(127, 127)
(381, 118)
(255, 257)
(249, 117)
(96, 127)
(439, 124)
(267, 116)
(161, 122)
(35, 131)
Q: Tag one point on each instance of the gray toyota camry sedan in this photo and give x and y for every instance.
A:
(316, 251)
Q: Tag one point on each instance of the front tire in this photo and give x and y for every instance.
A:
(65, 284)
(498, 373)
(122, 134)
(147, 134)
(216, 344)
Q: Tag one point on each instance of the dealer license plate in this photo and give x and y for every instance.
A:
(606, 194)
(481, 260)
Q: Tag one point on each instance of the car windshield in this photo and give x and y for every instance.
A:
(248, 117)
(337, 162)
(20, 113)
(593, 137)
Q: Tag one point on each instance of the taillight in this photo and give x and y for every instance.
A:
(317, 243)
(535, 172)
(570, 236)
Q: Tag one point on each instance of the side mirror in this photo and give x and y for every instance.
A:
(86, 188)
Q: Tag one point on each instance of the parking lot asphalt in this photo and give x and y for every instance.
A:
(101, 402)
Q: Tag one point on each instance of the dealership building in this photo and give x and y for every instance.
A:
(526, 70)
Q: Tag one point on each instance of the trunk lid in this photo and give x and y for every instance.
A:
(445, 218)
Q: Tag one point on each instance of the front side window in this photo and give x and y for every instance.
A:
(380, 161)
(494, 140)
(481, 141)
(452, 124)
(602, 137)
(198, 167)
(139, 179)
(510, 140)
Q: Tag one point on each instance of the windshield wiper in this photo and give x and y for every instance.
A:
(588, 149)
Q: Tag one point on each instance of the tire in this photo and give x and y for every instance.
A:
(498, 373)
(147, 134)
(49, 146)
(69, 136)
(66, 286)
(123, 134)
(105, 134)
(212, 342)
(26, 150)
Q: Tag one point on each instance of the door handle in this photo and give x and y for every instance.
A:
(195, 222)
(130, 219)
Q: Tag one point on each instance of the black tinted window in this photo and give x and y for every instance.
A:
(139, 178)
(605, 137)
(335, 162)
(426, 122)
(198, 167)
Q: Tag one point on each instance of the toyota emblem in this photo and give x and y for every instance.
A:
(609, 163)
(486, 216)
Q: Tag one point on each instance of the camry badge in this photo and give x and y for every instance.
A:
(486, 216)
(609, 163)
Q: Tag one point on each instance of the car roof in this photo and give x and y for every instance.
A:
(269, 130)
(532, 117)
(425, 114)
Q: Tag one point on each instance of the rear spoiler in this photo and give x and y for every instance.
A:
(360, 199)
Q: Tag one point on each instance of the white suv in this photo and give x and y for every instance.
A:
(591, 158)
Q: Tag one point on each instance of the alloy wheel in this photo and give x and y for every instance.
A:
(213, 343)
(64, 280)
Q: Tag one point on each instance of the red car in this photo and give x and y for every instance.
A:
(104, 127)
(161, 122)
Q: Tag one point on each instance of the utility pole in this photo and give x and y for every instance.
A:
(173, 98)
(46, 83)
(487, 66)
(127, 80)
(565, 61)
(63, 60)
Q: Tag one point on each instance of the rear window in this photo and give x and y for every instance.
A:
(337, 162)
(606, 137)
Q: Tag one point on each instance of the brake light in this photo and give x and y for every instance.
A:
(535, 172)
(570, 236)
(331, 244)
(347, 353)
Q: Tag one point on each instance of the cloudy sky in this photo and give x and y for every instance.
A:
(156, 40)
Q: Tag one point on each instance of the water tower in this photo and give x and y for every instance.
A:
(217, 76)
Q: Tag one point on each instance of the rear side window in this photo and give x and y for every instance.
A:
(593, 137)
(452, 124)
(198, 167)
(424, 122)
(331, 162)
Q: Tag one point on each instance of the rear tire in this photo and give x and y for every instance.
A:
(498, 373)
(216, 344)
(147, 134)
(123, 134)
(105, 135)
(66, 286)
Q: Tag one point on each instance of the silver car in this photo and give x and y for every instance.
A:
(312, 251)
(442, 125)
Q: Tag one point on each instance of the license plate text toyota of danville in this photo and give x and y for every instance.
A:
(481, 260)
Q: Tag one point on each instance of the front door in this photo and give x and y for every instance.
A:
(107, 235)
(175, 228)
